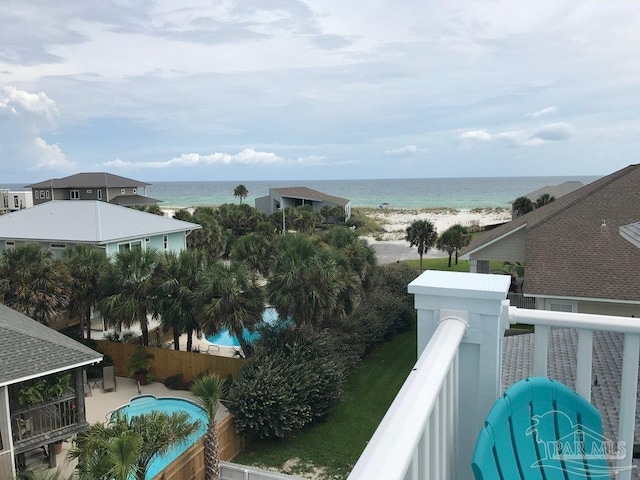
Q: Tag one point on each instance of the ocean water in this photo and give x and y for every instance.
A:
(459, 193)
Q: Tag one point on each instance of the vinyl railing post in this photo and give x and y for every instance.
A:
(480, 299)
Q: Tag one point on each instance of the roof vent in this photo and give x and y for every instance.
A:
(604, 223)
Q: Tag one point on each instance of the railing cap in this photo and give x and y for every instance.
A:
(461, 284)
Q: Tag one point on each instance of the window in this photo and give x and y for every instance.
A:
(125, 247)
(37, 194)
(16, 201)
(99, 194)
(135, 190)
(9, 244)
(165, 241)
(58, 245)
(42, 194)
(123, 191)
(74, 194)
(46, 194)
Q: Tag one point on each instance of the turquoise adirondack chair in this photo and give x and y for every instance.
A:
(541, 429)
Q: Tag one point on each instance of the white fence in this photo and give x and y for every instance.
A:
(430, 429)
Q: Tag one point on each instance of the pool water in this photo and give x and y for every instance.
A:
(147, 403)
(228, 339)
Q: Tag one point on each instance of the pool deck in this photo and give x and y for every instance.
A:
(99, 404)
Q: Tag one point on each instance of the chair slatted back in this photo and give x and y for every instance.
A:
(540, 429)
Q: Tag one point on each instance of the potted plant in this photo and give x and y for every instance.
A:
(140, 364)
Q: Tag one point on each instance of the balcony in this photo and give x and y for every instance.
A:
(430, 430)
(46, 423)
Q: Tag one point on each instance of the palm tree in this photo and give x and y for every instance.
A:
(240, 191)
(447, 242)
(130, 289)
(304, 283)
(522, 205)
(462, 238)
(86, 265)
(178, 280)
(422, 234)
(544, 199)
(253, 249)
(33, 282)
(208, 391)
(231, 298)
(104, 451)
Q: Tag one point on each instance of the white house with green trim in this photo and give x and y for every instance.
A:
(60, 224)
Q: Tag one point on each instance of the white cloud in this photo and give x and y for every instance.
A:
(544, 111)
(553, 132)
(405, 151)
(248, 156)
(24, 117)
(477, 135)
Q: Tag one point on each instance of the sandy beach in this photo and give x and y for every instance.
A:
(391, 246)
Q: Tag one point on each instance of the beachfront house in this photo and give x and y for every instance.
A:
(59, 224)
(574, 252)
(13, 200)
(100, 186)
(555, 191)
(41, 390)
(465, 362)
(291, 197)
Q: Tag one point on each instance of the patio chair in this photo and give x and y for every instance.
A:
(108, 379)
(540, 428)
(86, 385)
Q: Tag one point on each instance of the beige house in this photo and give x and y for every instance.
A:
(574, 251)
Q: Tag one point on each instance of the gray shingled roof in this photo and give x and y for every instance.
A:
(309, 194)
(632, 233)
(85, 221)
(556, 191)
(90, 180)
(29, 349)
(573, 246)
(517, 363)
(129, 200)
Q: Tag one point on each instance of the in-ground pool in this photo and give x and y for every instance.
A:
(147, 403)
(228, 339)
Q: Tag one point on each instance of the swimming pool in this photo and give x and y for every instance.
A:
(147, 403)
(227, 339)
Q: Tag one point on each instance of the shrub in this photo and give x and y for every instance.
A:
(176, 382)
(292, 380)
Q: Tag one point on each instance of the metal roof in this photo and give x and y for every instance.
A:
(86, 221)
(632, 233)
(89, 180)
(30, 349)
(308, 194)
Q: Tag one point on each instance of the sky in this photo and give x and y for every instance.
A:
(289, 89)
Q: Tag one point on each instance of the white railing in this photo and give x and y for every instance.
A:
(586, 324)
(417, 437)
(431, 427)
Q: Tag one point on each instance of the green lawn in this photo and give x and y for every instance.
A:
(440, 264)
(337, 443)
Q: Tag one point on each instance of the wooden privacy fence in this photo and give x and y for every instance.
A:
(190, 465)
(168, 362)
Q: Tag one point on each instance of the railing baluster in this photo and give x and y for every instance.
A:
(628, 395)
(540, 349)
(585, 361)
(435, 440)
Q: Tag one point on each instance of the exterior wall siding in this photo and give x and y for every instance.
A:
(509, 249)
